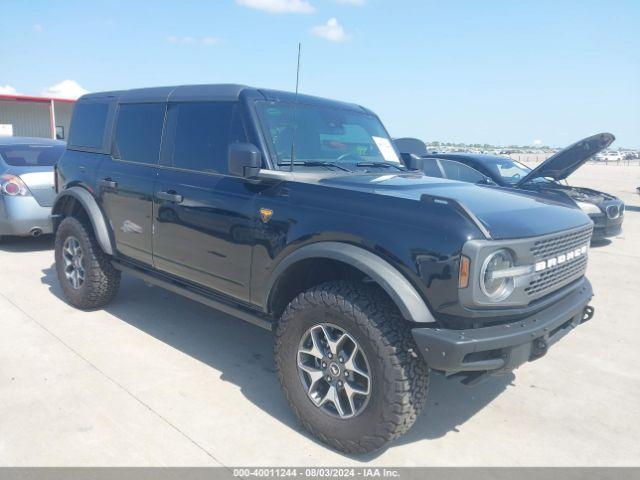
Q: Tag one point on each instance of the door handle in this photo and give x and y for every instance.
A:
(170, 196)
(107, 182)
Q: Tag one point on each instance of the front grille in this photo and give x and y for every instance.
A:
(550, 247)
(563, 273)
(556, 277)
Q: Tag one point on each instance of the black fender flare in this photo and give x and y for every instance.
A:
(403, 294)
(98, 220)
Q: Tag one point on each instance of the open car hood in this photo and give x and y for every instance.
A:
(567, 161)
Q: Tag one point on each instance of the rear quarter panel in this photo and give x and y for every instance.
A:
(77, 168)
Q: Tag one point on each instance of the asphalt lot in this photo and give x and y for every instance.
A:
(156, 379)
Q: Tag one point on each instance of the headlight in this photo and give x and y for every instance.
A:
(497, 287)
(589, 208)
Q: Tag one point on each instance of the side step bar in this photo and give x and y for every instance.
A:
(199, 296)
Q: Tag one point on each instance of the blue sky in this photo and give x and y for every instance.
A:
(501, 72)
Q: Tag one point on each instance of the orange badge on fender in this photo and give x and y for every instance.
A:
(265, 214)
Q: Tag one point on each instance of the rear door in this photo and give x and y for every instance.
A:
(203, 217)
(126, 179)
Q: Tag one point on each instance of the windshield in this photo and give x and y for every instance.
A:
(327, 135)
(31, 155)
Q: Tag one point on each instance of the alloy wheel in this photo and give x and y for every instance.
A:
(334, 370)
(73, 262)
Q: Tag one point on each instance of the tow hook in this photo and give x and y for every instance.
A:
(540, 347)
(587, 313)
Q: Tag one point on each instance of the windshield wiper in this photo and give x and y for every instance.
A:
(313, 163)
(380, 164)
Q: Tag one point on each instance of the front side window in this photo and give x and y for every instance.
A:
(325, 134)
(203, 132)
(430, 167)
(461, 172)
(31, 155)
(138, 132)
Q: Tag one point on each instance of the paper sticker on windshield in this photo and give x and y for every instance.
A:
(386, 149)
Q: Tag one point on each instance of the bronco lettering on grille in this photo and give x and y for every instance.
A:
(560, 259)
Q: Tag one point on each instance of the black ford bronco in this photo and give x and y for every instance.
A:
(296, 213)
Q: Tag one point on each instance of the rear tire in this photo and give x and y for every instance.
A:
(397, 375)
(85, 273)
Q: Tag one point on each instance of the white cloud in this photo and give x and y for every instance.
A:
(357, 3)
(65, 89)
(184, 40)
(189, 40)
(209, 40)
(38, 28)
(537, 141)
(279, 6)
(331, 31)
(8, 90)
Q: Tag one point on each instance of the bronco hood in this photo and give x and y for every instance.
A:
(562, 164)
(501, 213)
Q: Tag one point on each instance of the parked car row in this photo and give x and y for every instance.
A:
(616, 156)
(297, 214)
(548, 179)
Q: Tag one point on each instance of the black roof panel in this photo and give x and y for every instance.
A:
(280, 96)
(221, 92)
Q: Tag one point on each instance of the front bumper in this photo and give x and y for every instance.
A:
(607, 227)
(23, 215)
(502, 348)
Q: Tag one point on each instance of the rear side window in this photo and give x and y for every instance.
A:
(88, 124)
(202, 134)
(138, 132)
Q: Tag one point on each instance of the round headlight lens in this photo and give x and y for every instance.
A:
(496, 288)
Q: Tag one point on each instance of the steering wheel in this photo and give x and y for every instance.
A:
(344, 156)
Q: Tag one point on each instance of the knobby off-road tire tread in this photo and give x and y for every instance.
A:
(102, 280)
(405, 376)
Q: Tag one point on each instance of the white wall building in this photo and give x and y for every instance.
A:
(25, 116)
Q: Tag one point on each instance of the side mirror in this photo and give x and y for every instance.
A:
(411, 161)
(245, 160)
(486, 181)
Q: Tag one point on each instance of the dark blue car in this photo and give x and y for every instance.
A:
(606, 211)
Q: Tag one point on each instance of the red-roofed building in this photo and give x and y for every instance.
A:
(26, 116)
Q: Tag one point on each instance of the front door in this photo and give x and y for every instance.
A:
(203, 217)
(125, 181)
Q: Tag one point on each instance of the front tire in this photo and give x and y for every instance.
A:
(85, 273)
(344, 337)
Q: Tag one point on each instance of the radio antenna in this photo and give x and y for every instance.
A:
(295, 108)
